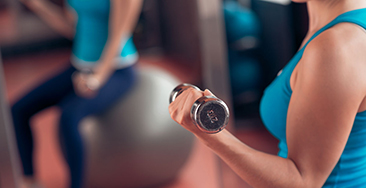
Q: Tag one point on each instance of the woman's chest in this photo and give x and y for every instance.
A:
(276, 98)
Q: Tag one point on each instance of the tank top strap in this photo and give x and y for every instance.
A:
(357, 17)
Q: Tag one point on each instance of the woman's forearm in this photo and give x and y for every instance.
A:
(123, 18)
(256, 168)
(53, 16)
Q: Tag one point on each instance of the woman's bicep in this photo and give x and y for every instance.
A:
(321, 112)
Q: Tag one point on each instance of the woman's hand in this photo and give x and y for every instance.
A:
(180, 108)
(85, 85)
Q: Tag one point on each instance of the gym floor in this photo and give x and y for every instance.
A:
(203, 168)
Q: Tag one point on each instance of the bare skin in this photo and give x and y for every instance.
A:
(329, 88)
(123, 17)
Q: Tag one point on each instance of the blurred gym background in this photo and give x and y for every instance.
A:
(259, 36)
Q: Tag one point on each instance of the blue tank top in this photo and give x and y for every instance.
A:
(91, 35)
(350, 170)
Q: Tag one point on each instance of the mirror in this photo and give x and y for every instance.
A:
(168, 40)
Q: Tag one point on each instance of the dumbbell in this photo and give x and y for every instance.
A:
(209, 114)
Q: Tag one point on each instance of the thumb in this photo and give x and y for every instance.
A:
(207, 92)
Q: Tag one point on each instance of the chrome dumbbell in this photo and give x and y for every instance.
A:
(209, 114)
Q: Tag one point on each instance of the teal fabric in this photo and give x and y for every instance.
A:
(350, 170)
(92, 31)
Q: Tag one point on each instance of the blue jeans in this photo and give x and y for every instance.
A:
(59, 91)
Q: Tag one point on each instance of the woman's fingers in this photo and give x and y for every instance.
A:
(185, 117)
(80, 86)
(177, 106)
(180, 108)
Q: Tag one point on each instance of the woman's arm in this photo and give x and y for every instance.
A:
(60, 20)
(257, 168)
(326, 97)
(124, 15)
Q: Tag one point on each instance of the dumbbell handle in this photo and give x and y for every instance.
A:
(178, 90)
(209, 114)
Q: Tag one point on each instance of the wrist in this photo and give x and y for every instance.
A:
(102, 74)
(210, 140)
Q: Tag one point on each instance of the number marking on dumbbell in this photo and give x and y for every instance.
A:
(212, 116)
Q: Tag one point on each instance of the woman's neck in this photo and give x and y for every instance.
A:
(321, 12)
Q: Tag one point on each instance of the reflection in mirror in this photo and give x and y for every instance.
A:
(89, 85)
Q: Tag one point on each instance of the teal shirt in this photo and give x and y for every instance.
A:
(350, 170)
(91, 35)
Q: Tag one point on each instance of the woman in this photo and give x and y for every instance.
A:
(316, 107)
(102, 58)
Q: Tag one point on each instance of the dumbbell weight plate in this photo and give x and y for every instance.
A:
(210, 114)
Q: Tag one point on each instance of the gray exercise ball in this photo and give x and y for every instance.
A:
(136, 143)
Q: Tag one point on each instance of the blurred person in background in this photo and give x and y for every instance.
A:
(102, 71)
(316, 107)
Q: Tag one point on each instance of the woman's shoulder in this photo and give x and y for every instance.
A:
(343, 45)
(337, 55)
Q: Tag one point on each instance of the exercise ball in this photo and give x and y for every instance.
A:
(242, 26)
(135, 143)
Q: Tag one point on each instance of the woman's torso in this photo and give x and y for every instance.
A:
(91, 35)
(350, 170)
